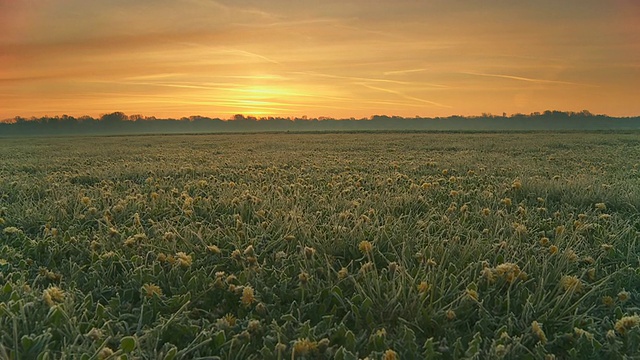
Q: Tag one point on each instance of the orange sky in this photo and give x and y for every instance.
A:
(338, 58)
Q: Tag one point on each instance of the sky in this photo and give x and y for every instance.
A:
(335, 58)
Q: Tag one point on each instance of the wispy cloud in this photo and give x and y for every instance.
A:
(402, 72)
(401, 94)
(521, 78)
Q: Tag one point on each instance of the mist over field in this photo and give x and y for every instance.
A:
(120, 123)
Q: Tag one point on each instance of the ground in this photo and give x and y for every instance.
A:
(386, 245)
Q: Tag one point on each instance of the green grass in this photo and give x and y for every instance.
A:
(251, 246)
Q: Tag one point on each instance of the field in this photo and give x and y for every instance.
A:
(320, 246)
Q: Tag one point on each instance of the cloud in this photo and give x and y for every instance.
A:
(520, 78)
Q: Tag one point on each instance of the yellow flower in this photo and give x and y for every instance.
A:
(365, 247)
(247, 296)
(506, 201)
(309, 252)
(304, 347)
(486, 212)
(183, 259)
(105, 353)
(510, 272)
(623, 296)
(149, 290)
(553, 249)
(303, 277)
(214, 249)
(516, 185)
(520, 229)
(601, 206)
(571, 283)
(343, 273)
(390, 355)
(536, 328)
(423, 287)
(627, 323)
(544, 241)
(53, 295)
(86, 200)
(472, 294)
(249, 251)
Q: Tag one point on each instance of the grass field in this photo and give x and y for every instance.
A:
(320, 246)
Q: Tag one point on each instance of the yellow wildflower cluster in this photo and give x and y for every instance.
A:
(571, 283)
(53, 295)
(626, 323)
(151, 290)
(509, 272)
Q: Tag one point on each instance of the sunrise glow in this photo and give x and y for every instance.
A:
(331, 58)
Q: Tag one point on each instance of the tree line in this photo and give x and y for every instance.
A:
(120, 123)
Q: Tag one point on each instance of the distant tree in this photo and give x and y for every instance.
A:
(114, 118)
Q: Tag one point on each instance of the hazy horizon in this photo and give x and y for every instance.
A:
(337, 59)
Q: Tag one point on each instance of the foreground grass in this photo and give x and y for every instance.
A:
(320, 246)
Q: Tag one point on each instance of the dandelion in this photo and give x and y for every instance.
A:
(151, 290)
(85, 200)
(601, 206)
(303, 277)
(235, 254)
(544, 241)
(365, 247)
(105, 353)
(486, 212)
(309, 252)
(510, 272)
(606, 247)
(247, 296)
(393, 267)
(423, 287)
(183, 259)
(53, 295)
(214, 249)
(303, 347)
(536, 328)
(343, 273)
(553, 249)
(623, 296)
(607, 301)
(253, 326)
(506, 201)
(11, 230)
(560, 230)
(627, 323)
(516, 185)
(571, 255)
(249, 251)
(227, 321)
(94, 334)
(580, 333)
(571, 283)
(390, 355)
(520, 229)
(366, 267)
(169, 236)
(472, 294)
